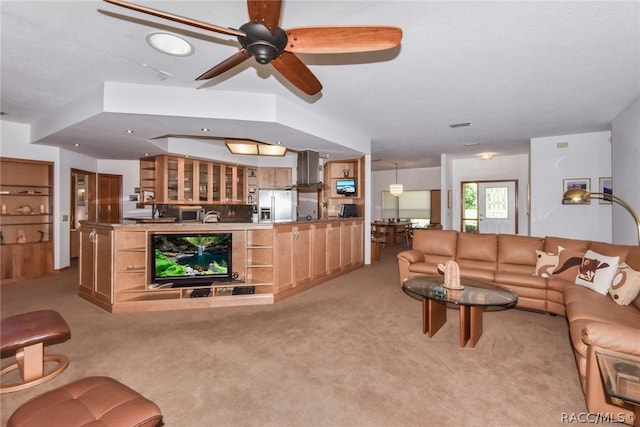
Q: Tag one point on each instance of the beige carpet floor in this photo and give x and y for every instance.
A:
(349, 352)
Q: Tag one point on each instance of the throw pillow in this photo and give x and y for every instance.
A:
(625, 286)
(545, 264)
(568, 264)
(597, 271)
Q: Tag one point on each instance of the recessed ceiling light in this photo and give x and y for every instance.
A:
(460, 125)
(169, 44)
(204, 129)
(129, 130)
(486, 156)
(76, 145)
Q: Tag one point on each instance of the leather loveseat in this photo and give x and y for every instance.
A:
(513, 261)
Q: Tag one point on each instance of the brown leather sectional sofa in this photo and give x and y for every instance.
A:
(595, 320)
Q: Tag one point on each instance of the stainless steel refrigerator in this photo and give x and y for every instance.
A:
(276, 205)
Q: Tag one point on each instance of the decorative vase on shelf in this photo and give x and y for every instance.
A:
(451, 271)
(22, 238)
(346, 172)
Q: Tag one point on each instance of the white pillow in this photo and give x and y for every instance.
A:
(597, 271)
(625, 286)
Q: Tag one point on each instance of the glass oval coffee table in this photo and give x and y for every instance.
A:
(476, 296)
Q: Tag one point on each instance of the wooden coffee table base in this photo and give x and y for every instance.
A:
(434, 316)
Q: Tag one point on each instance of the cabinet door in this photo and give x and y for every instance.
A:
(346, 244)
(35, 259)
(319, 253)
(96, 263)
(283, 252)
(358, 242)
(334, 248)
(302, 254)
(87, 261)
(103, 265)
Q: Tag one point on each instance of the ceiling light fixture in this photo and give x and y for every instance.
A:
(254, 148)
(128, 130)
(396, 189)
(486, 156)
(169, 44)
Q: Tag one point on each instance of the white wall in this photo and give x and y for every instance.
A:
(625, 132)
(411, 179)
(586, 155)
(497, 169)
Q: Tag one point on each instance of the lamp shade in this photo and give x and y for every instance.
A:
(396, 189)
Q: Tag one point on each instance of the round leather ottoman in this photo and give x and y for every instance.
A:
(88, 401)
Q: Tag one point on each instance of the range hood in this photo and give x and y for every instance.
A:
(308, 169)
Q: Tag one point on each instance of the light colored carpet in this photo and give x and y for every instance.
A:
(349, 352)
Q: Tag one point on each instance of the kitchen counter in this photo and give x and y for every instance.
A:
(274, 261)
(145, 222)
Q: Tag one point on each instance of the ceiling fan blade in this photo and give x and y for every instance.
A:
(294, 70)
(265, 12)
(342, 39)
(235, 59)
(178, 18)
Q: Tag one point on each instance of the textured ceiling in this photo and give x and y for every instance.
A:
(515, 70)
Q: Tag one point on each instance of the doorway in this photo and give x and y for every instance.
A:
(490, 207)
(82, 205)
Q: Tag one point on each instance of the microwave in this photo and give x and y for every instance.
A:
(191, 213)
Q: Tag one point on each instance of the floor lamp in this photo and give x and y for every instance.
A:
(578, 196)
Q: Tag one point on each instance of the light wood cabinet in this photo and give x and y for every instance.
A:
(277, 260)
(26, 215)
(95, 276)
(274, 177)
(181, 180)
(293, 248)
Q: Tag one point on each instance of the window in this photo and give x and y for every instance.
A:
(414, 205)
(470, 210)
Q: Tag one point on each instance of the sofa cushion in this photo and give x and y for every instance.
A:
(596, 271)
(552, 244)
(438, 245)
(545, 263)
(582, 303)
(625, 286)
(568, 264)
(517, 254)
(477, 252)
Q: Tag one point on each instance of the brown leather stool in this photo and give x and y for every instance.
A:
(88, 401)
(26, 334)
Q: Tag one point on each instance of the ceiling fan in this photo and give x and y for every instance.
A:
(263, 39)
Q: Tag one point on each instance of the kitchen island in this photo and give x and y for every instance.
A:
(269, 262)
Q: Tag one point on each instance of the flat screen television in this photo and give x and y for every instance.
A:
(181, 260)
(346, 187)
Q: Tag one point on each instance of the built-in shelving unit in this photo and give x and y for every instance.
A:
(26, 218)
(339, 170)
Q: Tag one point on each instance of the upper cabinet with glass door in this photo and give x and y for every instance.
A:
(182, 180)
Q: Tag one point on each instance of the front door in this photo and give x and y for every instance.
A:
(497, 207)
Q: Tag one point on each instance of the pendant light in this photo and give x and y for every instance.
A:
(396, 189)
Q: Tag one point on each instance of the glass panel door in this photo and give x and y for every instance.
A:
(172, 179)
(203, 181)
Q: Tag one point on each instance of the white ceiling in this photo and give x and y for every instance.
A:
(515, 70)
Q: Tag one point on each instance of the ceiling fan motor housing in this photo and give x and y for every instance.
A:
(260, 43)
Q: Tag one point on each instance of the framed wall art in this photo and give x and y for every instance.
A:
(576, 184)
(605, 186)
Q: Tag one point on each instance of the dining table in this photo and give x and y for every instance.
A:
(389, 229)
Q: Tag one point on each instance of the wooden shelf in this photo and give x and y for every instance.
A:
(26, 186)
